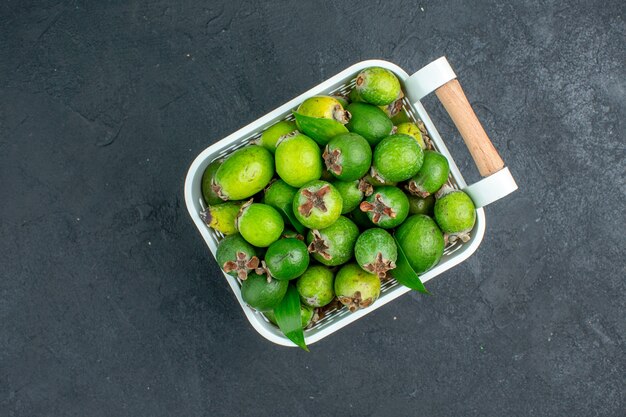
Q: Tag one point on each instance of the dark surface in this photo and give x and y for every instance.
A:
(111, 305)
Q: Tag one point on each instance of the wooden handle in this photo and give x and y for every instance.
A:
(483, 152)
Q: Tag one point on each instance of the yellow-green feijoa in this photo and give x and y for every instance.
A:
(321, 118)
(316, 286)
(378, 86)
(221, 217)
(324, 107)
(348, 156)
(397, 158)
(272, 134)
(306, 315)
(387, 207)
(287, 259)
(412, 130)
(298, 160)
(369, 121)
(432, 175)
(260, 224)
(421, 241)
(244, 173)
(455, 212)
(263, 293)
(356, 288)
(376, 252)
(333, 245)
(210, 196)
(317, 205)
(351, 194)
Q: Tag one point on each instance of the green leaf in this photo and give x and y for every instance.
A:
(318, 129)
(288, 213)
(404, 273)
(288, 317)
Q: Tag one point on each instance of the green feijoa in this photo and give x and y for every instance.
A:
(356, 288)
(348, 156)
(333, 245)
(298, 160)
(317, 205)
(401, 117)
(361, 219)
(326, 175)
(432, 175)
(280, 195)
(315, 286)
(263, 293)
(387, 207)
(260, 224)
(244, 173)
(288, 233)
(378, 86)
(287, 258)
(270, 136)
(421, 241)
(342, 99)
(419, 205)
(369, 121)
(306, 315)
(376, 252)
(397, 158)
(236, 256)
(455, 212)
(210, 196)
(350, 194)
(355, 96)
(412, 130)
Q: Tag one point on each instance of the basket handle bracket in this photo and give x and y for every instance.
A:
(439, 77)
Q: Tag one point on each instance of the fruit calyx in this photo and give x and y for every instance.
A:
(451, 238)
(206, 217)
(444, 190)
(380, 266)
(331, 159)
(365, 187)
(242, 265)
(242, 210)
(262, 269)
(341, 115)
(379, 208)
(355, 302)
(319, 245)
(287, 136)
(314, 200)
(395, 107)
(416, 189)
(217, 189)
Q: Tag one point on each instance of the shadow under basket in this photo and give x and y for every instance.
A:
(436, 77)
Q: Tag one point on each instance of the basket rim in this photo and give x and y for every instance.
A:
(259, 323)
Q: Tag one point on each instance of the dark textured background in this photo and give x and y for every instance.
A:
(111, 305)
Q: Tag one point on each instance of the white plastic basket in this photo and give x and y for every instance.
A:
(437, 76)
